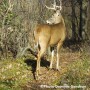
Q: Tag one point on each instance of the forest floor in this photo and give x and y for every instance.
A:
(70, 59)
(51, 77)
(20, 74)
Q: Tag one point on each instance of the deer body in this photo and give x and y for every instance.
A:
(49, 35)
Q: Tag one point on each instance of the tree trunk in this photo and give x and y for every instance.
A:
(83, 20)
(88, 19)
(73, 21)
(80, 23)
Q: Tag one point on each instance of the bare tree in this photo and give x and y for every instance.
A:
(88, 19)
(83, 19)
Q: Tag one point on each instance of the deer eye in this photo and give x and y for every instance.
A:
(54, 11)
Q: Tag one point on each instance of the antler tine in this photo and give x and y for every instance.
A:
(49, 7)
(60, 7)
(60, 4)
(54, 5)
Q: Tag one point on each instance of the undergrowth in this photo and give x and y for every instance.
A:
(77, 74)
(14, 74)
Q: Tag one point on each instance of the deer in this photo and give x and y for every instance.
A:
(51, 34)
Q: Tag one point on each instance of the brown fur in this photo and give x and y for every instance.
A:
(51, 32)
(49, 35)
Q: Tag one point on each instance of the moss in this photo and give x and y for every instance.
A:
(13, 74)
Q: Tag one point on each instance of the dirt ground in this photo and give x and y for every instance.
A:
(50, 77)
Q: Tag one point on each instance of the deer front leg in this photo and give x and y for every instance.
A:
(57, 63)
(58, 56)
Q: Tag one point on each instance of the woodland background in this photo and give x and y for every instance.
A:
(18, 19)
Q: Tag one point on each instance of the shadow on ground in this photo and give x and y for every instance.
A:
(33, 63)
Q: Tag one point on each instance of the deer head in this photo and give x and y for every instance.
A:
(56, 17)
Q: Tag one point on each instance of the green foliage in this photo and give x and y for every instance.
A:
(78, 73)
(6, 15)
(13, 74)
(9, 18)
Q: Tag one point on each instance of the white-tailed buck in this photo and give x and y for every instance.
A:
(49, 35)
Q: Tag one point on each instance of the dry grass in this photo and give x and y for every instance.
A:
(19, 74)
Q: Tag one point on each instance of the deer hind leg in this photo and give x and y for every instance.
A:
(52, 56)
(58, 52)
(41, 49)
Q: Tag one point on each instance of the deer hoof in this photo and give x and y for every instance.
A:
(58, 69)
(50, 68)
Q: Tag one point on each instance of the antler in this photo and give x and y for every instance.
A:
(55, 6)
